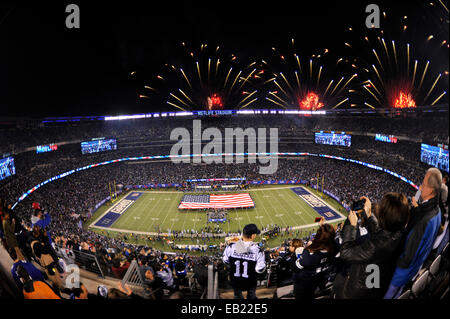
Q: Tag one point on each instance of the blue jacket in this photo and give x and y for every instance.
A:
(43, 223)
(421, 234)
(34, 273)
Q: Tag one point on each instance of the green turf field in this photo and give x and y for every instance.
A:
(276, 204)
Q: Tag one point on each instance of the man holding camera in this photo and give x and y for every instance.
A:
(246, 260)
(421, 232)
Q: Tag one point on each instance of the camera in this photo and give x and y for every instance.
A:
(358, 205)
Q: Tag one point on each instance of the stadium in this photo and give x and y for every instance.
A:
(156, 204)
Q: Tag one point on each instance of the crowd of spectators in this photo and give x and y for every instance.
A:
(429, 129)
(29, 233)
(67, 200)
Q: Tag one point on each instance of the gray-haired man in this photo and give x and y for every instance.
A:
(420, 233)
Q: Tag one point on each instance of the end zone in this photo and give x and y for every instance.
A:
(112, 214)
(322, 208)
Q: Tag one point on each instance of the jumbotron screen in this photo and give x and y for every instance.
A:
(7, 167)
(339, 139)
(434, 156)
(99, 145)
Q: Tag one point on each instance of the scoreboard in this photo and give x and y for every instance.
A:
(435, 156)
(7, 167)
(339, 139)
(98, 145)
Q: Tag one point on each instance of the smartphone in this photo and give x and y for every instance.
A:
(317, 219)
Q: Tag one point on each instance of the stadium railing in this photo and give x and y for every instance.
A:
(211, 294)
(84, 260)
(133, 276)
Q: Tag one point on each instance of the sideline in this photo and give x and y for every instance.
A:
(219, 235)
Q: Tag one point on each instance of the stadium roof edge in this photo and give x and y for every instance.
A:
(201, 113)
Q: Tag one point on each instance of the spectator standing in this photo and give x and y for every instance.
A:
(312, 260)
(42, 252)
(34, 273)
(420, 234)
(381, 249)
(9, 225)
(246, 260)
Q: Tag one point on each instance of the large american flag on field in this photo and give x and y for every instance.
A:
(216, 201)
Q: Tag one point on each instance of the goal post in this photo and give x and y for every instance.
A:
(322, 184)
(112, 191)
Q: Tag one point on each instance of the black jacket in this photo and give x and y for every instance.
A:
(416, 229)
(382, 249)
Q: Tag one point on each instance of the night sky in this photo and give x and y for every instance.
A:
(47, 69)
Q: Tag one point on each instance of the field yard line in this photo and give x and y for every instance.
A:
(184, 220)
(236, 213)
(128, 216)
(300, 202)
(274, 212)
(286, 211)
(174, 203)
(167, 214)
(248, 216)
(151, 215)
(162, 211)
(195, 222)
(268, 214)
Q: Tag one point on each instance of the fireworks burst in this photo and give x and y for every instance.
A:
(207, 78)
(392, 73)
(304, 82)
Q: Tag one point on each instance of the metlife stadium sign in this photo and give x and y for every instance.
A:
(386, 138)
(46, 148)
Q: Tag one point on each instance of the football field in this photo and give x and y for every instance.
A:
(150, 211)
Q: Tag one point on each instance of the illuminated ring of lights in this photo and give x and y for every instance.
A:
(205, 155)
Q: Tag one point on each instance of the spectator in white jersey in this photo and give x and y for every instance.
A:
(246, 260)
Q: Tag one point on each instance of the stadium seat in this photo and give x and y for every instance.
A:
(285, 292)
(445, 252)
(405, 295)
(444, 295)
(420, 284)
(434, 268)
